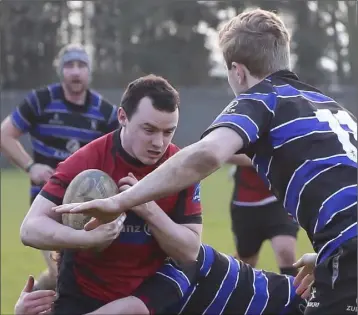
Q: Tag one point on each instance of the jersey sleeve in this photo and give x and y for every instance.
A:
(25, 115)
(85, 158)
(248, 115)
(188, 207)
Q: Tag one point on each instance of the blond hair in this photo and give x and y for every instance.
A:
(257, 39)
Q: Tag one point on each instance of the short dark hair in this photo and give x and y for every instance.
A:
(163, 95)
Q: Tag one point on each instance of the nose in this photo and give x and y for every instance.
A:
(157, 140)
(75, 70)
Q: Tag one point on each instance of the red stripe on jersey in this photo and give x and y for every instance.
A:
(249, 187)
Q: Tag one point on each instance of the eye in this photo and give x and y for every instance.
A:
(168, 132)
(148, 130)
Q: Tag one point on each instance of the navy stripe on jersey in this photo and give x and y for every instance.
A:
(48, 151)
(306, 173)
(261, 295)
(59, 107)
(96, 99)
(267, 99)
(208, 259)
(135, 231)
(245, 123)
(67, 132)
(342, 200)
(287, 91)
(20, 122)
(177, 276)
(300, 127)
(291, 294)
(227, 287)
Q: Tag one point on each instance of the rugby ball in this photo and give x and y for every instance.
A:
(87, 185)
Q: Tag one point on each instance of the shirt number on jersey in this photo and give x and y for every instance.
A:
(335, 122)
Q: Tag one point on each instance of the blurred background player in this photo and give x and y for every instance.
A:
(60, 118)
(257, 216)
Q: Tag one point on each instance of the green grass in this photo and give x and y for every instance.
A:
(18, 261)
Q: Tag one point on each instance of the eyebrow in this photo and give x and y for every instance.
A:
(154, 127)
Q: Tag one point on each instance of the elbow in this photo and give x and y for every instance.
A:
(26, 231)
(190, 255)
(24, 234)
(206, 158)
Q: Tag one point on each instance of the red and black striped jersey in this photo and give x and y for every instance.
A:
(134, 255)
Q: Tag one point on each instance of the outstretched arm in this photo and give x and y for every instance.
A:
(185, 168)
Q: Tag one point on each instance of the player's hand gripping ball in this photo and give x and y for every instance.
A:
(88, 185)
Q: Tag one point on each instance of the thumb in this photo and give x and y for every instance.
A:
(92, 224)
(29, 285)
(300, 263)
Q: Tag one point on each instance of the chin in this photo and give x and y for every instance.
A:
(150, 160)
(77, 89)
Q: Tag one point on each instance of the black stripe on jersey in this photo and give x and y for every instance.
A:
(191, 219)
(241, 297)
(178, 215)
(57, 201)
(208, 286)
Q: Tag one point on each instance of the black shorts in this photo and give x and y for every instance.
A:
(335, 287)
(253, 225)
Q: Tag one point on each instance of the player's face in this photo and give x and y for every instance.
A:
(148, 133)
(236, 77)
(75, 76)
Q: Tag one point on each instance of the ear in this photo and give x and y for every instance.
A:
(240, 72)
(122, 117)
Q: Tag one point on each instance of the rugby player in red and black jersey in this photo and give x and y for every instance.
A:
(170, 227)
(257, 216)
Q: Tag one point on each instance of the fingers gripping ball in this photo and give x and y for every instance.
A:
(88, 185)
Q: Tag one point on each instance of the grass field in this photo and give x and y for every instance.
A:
(18, 261)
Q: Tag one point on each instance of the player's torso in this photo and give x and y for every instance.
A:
(309, 154)
(250, 189)
(62, 128)
(135, 254)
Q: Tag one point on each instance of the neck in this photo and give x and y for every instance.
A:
(75, 98)
(124, 143)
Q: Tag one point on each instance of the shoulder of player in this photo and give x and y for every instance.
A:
(104, 105)
(262, 93)
(172, 149)
(40, 97)
(99, 100)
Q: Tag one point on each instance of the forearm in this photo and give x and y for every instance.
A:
(46, 234)
(13, 150)
(177, 241)
(185, 168)
(240, 159)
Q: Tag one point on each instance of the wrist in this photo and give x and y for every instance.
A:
(80, 239)
(146, 211)
(28, 166)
